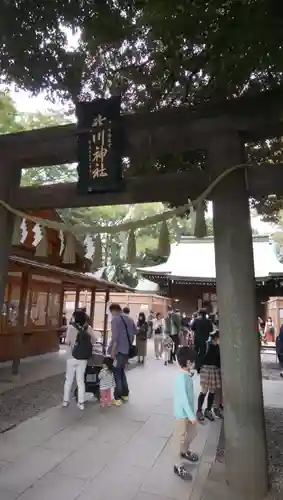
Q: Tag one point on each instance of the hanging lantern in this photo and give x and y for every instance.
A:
(164, 240)
(131, 248)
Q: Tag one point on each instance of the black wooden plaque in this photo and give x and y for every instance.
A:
(99, 146)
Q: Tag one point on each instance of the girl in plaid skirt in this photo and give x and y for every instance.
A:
(210, 378)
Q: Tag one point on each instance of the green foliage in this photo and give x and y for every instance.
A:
(13, 121)
(154, 51)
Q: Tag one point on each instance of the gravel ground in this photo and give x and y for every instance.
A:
(270, 371)
(17, 405)
(274, 429)
(22, 403)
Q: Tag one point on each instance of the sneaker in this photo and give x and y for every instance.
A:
(182, 472)
(165, 363)
(81, 406)
(125, 398)
(65, 404)
(200, 416)
(209, 415)
(190, 456)
(117, 402)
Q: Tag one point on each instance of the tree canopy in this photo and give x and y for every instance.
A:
(155, 52)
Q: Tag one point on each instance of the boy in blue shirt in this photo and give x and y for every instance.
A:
(184, 412)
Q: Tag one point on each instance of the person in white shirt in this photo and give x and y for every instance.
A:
(158, 333)
(80, 337)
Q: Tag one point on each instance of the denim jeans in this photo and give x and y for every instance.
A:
(121, 388)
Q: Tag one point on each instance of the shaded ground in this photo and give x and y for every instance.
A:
(274, 429)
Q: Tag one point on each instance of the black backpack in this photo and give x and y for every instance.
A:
(82, 349)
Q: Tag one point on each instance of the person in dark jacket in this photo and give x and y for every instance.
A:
(202, 328)
(279, 349)
(210, 379)
(175, 333)
(141, 337)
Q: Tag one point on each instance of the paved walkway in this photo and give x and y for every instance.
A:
(120, 453)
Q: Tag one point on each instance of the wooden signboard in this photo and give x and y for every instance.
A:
(99, 146)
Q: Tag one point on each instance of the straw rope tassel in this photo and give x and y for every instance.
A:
(69, 254)
(200, 230)
(17, 231)
(164, 240)
(42, 247)
(131, 248)
(193, 219)
(97, 256)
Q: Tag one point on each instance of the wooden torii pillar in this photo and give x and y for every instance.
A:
(245, 449)
(10, 178)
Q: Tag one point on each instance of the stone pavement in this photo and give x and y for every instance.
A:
(121, 453)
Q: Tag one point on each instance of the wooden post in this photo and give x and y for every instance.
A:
(10, 178)
(20, 323)
(61, 306)
(92, 307)
(245, 437)
(77, 298)
(169, 291)
(105, 335)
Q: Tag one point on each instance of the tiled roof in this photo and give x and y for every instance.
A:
(72, 277)
(195, 258)
(147, 286)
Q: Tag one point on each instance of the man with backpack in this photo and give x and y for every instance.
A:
(80, 337)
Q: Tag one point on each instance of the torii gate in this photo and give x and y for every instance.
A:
(222, 133)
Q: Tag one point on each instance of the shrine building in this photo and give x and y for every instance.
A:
(36, 292)
(189, 275)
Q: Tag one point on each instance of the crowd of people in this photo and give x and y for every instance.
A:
(192, 342)
(266, 330)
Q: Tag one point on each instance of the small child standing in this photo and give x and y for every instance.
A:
(185, 418)
(106, 382)
(167, 348)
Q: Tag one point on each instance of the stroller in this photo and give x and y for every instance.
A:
(93, 368)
